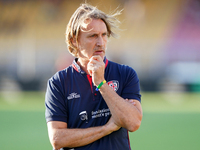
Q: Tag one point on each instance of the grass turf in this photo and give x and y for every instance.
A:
(170, 122)
(167, 131)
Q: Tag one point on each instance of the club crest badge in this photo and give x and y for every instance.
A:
(114, 84)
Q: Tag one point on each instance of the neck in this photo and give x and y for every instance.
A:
(83, 64)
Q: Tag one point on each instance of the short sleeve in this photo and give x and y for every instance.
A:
(131, 87)
(56, 109)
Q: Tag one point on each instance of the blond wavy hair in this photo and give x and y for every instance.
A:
(77, 20)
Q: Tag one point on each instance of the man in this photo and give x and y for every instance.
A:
(92, 104)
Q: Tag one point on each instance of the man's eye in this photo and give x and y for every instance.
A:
(104, 34)
(94, 35)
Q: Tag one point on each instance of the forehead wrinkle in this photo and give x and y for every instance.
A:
(85, 27)
(86, 30)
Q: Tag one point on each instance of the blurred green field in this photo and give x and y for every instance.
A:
(171, 121)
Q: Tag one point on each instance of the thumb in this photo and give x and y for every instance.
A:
(89, 69)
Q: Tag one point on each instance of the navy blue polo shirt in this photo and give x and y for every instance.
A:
(71, 97)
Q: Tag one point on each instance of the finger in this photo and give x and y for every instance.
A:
(131, 101)
(92, 62)
(134, 103)
(90, 68)
(90, 72)
(97, 58)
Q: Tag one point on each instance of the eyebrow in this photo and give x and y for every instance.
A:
(95, 33)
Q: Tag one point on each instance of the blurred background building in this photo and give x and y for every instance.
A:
(160, 39)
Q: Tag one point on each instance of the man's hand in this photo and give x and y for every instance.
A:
(112, 126)
(96, 68)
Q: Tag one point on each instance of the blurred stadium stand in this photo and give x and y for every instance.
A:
(158, 39)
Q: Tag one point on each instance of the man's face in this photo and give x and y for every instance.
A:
(92, 40)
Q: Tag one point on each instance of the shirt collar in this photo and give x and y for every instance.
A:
(78, 68)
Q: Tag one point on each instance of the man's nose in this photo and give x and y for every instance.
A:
(99, 41)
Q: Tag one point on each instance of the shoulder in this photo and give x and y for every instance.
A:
(59, 79)
(123, 69)
(57, 84)
(60, 75)
(121, 72)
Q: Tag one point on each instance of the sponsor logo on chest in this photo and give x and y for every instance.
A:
(73, 95)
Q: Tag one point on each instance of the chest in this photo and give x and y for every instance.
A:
(85, 106)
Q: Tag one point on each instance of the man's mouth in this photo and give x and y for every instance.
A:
(98, 52)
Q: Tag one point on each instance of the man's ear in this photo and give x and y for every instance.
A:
(74, 42)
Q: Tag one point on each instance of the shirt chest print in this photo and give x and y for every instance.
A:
(73, 95)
